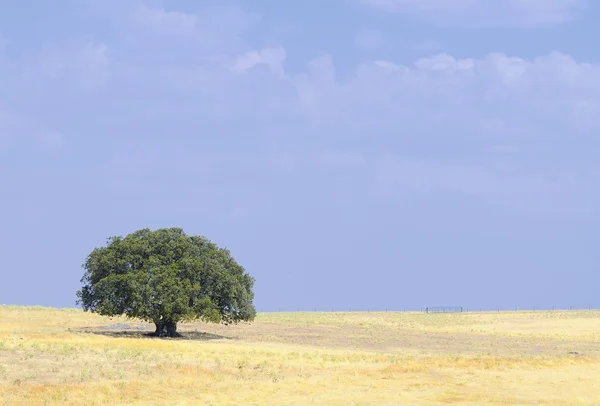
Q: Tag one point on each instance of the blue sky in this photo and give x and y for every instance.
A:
(352, 154)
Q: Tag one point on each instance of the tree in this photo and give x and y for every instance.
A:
(165, 277)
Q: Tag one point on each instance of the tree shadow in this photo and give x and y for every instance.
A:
(185, 335)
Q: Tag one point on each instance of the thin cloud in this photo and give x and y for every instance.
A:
(439, 105)
(272, 57)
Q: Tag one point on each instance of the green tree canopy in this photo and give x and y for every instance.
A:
(165, 277)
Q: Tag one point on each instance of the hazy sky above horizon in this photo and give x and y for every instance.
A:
(352, 154)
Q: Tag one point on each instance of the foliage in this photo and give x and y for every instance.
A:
(166, 276)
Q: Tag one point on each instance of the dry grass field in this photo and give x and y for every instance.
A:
(55, 356)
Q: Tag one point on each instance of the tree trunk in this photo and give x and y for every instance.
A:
(172, 329)
(160, 328)
(166, 329)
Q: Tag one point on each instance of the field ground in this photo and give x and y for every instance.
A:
(65, 356)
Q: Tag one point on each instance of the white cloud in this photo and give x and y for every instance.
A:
(444, 62)
(387, 65)
(272, 57)
(485, 12)
(188, 69)
(497, 92)
(497, 105)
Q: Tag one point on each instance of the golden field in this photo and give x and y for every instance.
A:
(65, 356)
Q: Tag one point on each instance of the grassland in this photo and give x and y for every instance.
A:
(56, 356)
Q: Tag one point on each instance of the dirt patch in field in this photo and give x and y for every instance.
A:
(386, 340)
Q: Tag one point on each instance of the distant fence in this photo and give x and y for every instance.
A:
(444, 309)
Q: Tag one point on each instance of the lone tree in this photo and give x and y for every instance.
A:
(165, 277)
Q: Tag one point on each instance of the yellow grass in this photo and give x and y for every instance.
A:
(55, 356)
